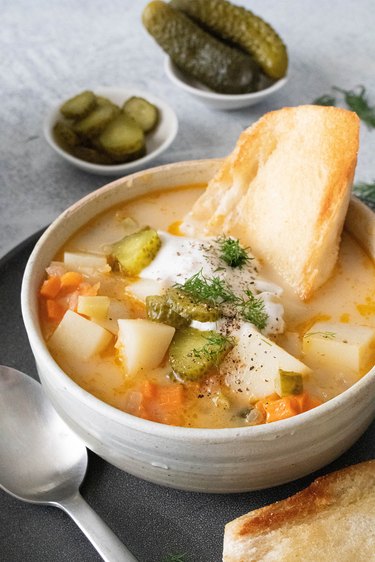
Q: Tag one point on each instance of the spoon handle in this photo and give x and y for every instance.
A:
(110, 548)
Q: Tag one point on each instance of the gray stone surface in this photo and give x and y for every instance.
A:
(51, 49)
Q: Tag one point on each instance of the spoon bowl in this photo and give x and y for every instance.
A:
(42, 460)
(51, 461)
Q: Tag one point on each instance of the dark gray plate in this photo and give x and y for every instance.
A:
(153, 521)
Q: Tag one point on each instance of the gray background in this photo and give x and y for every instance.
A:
(52, 49)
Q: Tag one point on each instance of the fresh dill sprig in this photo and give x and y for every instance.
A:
(216, 291)
(216, 345)
(365, 191)
(325, 335)
(325, 100)
(253, 310)
(174, 558)
(356, 100)
(232, 252)
(213, 290)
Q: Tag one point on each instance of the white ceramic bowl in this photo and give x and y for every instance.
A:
(156, 142)
(214, 99)
(206, 460)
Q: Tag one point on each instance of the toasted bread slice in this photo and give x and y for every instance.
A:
(333, 519)
(284, 191)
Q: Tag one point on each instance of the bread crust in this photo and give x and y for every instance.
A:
(274, 532)
(285, 190)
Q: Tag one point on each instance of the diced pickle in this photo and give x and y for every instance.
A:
(135, 251)
(184, 304)
(64, 135)
(288, 382)
(197, 53)
(79, 106)
(193, 353)
(123, 139)
(158, 310)
(96, 121)
(143, 112)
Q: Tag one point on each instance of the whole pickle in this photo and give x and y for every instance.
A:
(242, 28)
(197, 53)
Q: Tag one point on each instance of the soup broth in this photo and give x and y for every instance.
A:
(328, 342)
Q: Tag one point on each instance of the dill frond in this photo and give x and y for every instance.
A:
(232, 252)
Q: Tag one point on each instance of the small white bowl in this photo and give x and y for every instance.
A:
(156, 142)
(206, 460)
(215, 100)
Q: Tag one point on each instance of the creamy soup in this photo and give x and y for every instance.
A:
(199, 333)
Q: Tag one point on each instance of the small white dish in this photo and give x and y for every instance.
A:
(214, 99)
(156, 142)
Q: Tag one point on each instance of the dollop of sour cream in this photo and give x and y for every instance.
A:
(179, 258)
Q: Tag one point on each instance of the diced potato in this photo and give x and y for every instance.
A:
(340, 346)
(94, 307)
(253, 365)
(144, 288)
(117, 309)
(77, 261)
(143, 344)
(76, 336)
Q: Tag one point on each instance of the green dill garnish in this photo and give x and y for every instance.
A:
(325, 335)
(232, 252)
(365, 191)
(216, 291)
(212, 290)
(253, 311)
(356, 101)
(325, 100)
(174, 558)
(216, 345)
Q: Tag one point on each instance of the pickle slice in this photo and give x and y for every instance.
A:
(288, 382)
(135, 251)
(143, 112)
(158, 310)
(240, 27)
(90, 155)
(65, 135)
(197, 53)
(96, 121)
(79, 106)
(101, 100)
(185, 305)
(123, 139)
(193, 353)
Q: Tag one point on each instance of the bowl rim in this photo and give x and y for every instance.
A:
(171, 118)
(170, 70)
(218, 435)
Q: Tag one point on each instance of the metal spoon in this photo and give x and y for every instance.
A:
(42, 461)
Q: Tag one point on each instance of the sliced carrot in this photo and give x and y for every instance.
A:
(70, 282)
(149, 390)
(50, 287)
(281, 409)
(306, 402)
(55, 311)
